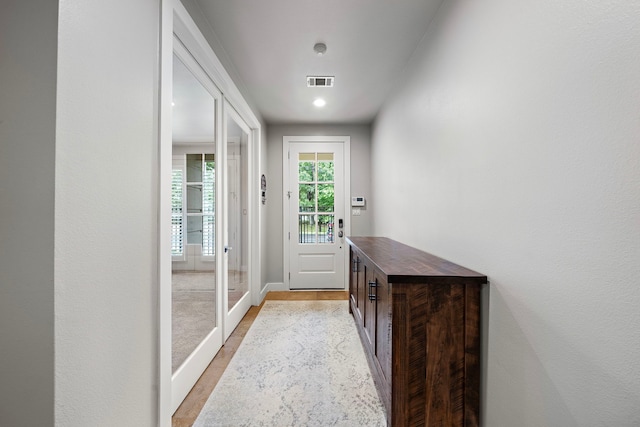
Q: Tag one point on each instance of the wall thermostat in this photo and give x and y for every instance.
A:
(357, 201)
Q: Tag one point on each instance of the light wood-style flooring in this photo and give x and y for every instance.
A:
(187, 413)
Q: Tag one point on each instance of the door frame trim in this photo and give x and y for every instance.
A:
(175, 21)
(286, 141)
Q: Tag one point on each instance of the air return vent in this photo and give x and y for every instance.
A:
(320, 81)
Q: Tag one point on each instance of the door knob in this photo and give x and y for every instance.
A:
(227, 249)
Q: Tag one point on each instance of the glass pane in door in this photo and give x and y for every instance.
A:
(193, 281)
(237, 207)
(316, 198)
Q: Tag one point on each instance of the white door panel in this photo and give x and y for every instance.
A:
(316, 263)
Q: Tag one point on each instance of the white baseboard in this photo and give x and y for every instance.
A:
(270, 287)
(276, 286)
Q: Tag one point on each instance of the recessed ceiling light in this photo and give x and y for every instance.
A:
(319, 102)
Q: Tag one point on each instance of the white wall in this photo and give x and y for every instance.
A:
(28, 51)
(360, 175)
(105, 214)
(512, 147)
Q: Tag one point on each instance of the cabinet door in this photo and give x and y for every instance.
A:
(383, 326)
(370, 305)
(361, 289)
(353, 282)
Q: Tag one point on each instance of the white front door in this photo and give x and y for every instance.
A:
(315, 221)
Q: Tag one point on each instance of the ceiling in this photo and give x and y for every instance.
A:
(270, 44)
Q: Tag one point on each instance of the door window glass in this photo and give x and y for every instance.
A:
(316, 198)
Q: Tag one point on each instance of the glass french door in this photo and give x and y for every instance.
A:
(208, 207)
(196, 320)
(210, 290)
(236, 249)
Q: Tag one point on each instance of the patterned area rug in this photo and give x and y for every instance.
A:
(300, 364)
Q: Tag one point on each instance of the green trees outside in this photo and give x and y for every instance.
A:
(309, 185)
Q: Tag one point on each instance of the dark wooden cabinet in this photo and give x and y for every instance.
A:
(419, 320)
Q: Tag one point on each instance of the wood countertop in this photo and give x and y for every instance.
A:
(405, 264)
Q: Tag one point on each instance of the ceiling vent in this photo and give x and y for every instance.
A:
(320, 81)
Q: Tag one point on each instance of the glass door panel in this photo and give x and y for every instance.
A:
(237, 206)
(196, 333)
(316, 198)
(237, 221)
(193, 278)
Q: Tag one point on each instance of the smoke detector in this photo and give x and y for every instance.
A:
(320, 81)
(320, 48)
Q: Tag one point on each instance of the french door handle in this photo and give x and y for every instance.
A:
(227, 249)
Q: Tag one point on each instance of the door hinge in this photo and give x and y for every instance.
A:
(288, 154)
(289, 276)
(289, 235)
